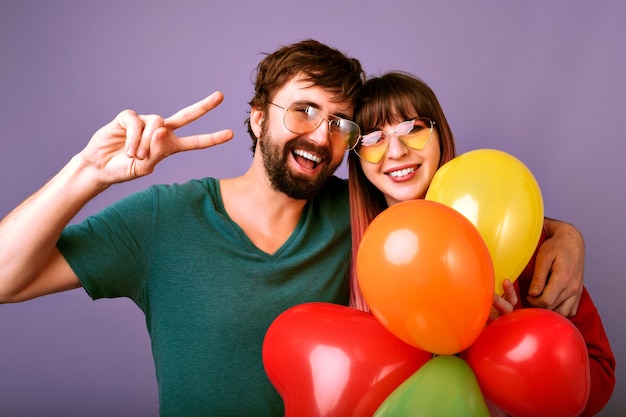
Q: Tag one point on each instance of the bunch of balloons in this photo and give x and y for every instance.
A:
(428, 270)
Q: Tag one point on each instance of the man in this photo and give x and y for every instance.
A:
(212, 262)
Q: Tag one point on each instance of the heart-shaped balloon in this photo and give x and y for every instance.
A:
(532, 362)
(327, 360)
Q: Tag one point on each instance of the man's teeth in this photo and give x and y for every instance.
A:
(308, 155)
(402, 172)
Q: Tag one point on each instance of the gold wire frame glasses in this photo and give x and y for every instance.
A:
(300, 118)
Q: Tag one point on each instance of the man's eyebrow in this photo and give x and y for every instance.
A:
(344, 116)
(317, 106)
(306, 103)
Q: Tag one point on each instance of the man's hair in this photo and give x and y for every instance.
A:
(316, 63)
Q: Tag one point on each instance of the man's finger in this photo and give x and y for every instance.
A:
(548, 299)
(204, 140)
(540, 274)
(133, 126)
(569, 307)
(151, 124)
(195, 111)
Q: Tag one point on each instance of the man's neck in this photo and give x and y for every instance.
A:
(268, 217)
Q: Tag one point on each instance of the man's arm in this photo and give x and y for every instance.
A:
(557, 282)
(31, 265)
(129, 147)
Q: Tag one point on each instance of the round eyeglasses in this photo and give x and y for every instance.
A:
(413, 133)
(300, 118)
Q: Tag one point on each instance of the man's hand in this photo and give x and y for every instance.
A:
(559, 270)
(132, 145)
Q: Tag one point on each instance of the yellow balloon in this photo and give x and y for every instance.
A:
(500, 196)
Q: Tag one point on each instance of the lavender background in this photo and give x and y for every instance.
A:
(543, 80)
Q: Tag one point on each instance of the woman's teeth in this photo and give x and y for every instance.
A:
(402, 172)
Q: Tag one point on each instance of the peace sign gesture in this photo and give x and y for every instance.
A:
(132, 145)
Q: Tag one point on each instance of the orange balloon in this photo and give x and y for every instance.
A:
(427, 275)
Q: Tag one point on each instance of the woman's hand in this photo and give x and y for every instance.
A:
(504, 304)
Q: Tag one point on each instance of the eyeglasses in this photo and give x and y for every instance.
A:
(301, 118)
(412, 133)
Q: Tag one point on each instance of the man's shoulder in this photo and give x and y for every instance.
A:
(191, 186)
(191, 192)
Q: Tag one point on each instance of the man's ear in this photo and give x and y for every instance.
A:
(256, 120)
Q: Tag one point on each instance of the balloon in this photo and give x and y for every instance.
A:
(532, 362)
(444, 387)
(327, 360)
(501, 197)
(427, 276)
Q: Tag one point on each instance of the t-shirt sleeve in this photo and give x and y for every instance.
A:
(109, 251)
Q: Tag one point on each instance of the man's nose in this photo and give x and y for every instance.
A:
(321, 134)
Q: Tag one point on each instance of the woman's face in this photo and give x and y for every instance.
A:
(403, 173)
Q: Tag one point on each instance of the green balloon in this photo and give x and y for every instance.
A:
(443, 387)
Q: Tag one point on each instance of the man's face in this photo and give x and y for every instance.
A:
(299, 165)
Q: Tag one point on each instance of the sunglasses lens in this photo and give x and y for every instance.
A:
(419, 136)
(373, 154)
(372, 147)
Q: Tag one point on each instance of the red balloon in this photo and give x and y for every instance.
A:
(532, 362)
(327, 360)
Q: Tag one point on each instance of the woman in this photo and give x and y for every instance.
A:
(406, 139)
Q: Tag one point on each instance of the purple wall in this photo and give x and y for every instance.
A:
(541, 80)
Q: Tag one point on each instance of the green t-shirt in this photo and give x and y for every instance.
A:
(207, 292)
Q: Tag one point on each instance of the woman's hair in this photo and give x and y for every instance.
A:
(387, 99)
(317, 63)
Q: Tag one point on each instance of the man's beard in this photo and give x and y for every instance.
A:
(282, 179)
